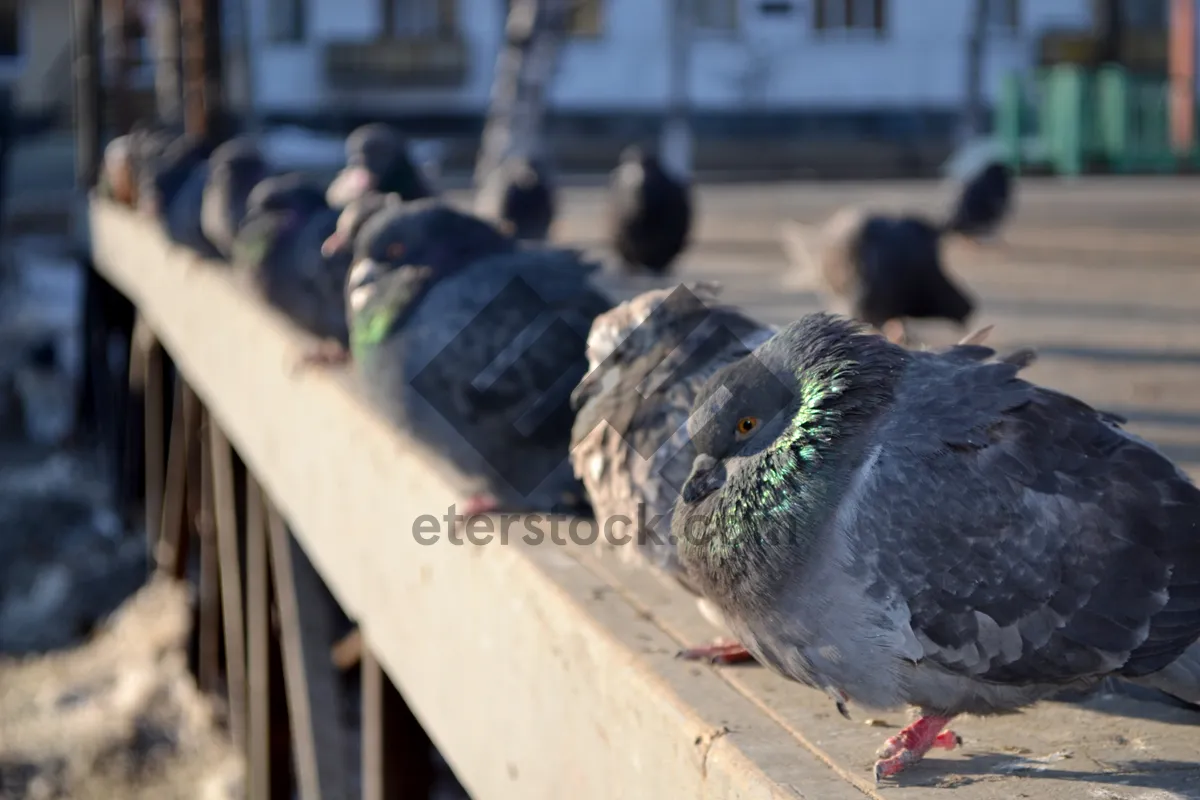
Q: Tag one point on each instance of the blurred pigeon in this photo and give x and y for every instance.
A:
(984, 203)
(648, 359)
(377, 159)
(172, 191)
(116, 180)
(473, 346)
(879, 269)
(520, 195)
(651, 211)
(279, 248)
(900, 527)
(234, 169)
(353, 217)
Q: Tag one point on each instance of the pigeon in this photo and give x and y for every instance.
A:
(984, 203)
(234, 169)
(472, 345)
(353, 217)
(172, 191)
(520, 195)
(648, 359)
(650, 212)
(901, 527)
(880, 269)
(279, 249)
(116, 180)
(377, 159)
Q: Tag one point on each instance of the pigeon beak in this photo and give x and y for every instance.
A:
(331, 245)
(350, 183)
(707, 477)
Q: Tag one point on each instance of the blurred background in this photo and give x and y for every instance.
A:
(763, 91)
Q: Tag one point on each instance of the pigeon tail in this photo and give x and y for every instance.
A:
(1180, 678)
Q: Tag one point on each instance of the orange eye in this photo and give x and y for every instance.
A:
(395, 251)
(747, 424)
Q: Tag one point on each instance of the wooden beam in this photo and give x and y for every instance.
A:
(397, 761)
(268, 742)
(171, 550)
(306, 631)
(224, 499)
(201, 501)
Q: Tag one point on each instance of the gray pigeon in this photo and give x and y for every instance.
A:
(648, 359)
(880, 269)
(473, 346)
(901, 527)
(650, 211)
(171, 190)
(983, 204)
(352, 218)
(377, 160)
(279, 249)
(234, 169)
(520, 194)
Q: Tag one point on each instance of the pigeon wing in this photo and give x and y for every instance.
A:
(1031, 539)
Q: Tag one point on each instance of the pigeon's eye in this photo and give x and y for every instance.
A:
(395, 250)
(746, 425)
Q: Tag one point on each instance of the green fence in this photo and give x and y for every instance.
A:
(1078, 120)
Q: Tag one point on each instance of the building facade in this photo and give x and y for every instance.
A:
(752, 61)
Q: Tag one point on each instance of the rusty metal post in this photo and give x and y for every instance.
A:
(168, 78)
(191, 24)
(88, 99)
(214, 67)
(1182, 71)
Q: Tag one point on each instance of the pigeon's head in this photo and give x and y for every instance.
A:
(429, 233)
(352, 219)
(376, 160)
(291, 194)
(237, 167)
(795, 396)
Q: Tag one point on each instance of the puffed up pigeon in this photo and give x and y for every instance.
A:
(901, 527)
(473, 346)
(650, 211)
(648, 358)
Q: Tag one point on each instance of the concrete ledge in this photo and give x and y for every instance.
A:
(548, 671)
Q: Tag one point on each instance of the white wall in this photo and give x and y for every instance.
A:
(771, 62)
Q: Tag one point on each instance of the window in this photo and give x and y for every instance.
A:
(714, 15)
(850, 15)
(585, 17)
(1004, 16)
(10, 29)
(285, 21)
(1145, 14)
(419, 19)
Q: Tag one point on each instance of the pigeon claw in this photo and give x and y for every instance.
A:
(911, 744)
(719, 652)
(325, 354)
(480, 504)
